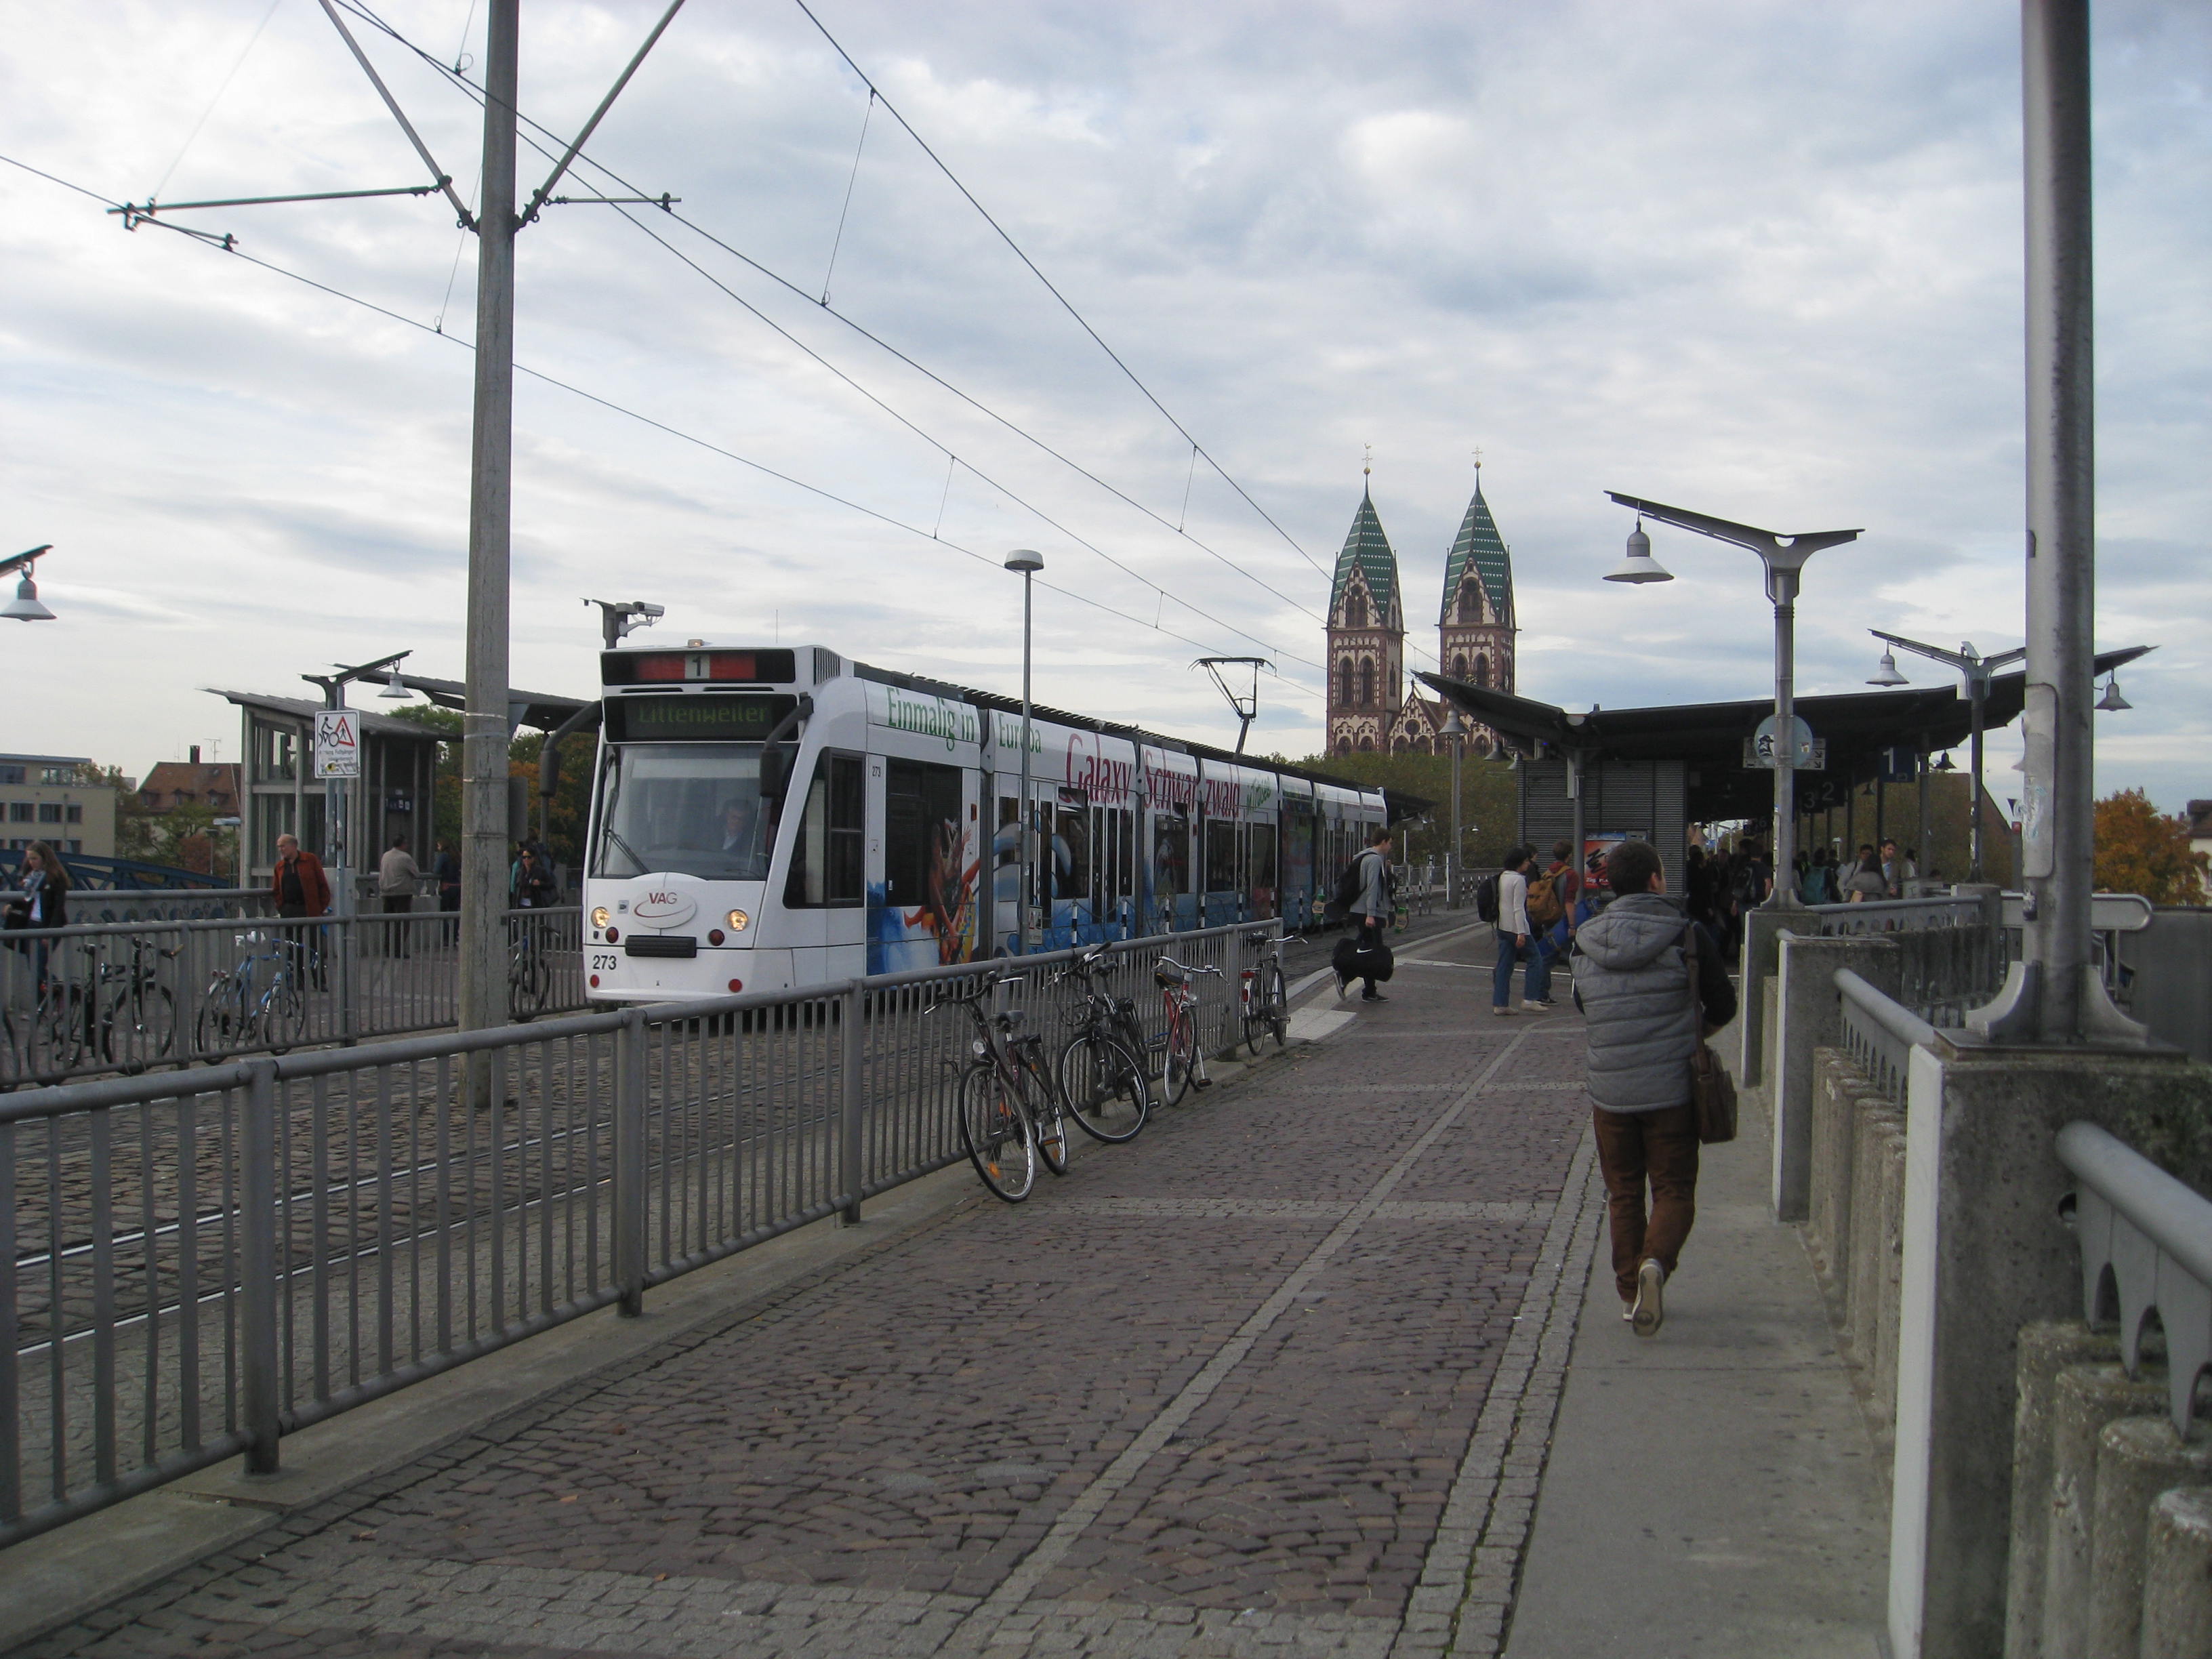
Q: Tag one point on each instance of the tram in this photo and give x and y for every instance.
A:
(766, 819)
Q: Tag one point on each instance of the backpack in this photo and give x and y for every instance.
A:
(1485, 899)
(1543, 903)
(1743, 881)
(1350, 882)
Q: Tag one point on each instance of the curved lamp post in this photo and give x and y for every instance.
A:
(1977, 669)
(1028, 562)
(1785, 558)
(26, 606)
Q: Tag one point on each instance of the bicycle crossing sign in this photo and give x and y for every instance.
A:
(337, 743)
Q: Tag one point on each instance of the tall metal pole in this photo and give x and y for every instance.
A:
(1922, 828)
(1782, 587)
(484, 725)
(1977, 686)
(1028, 812)
(1451, 859)
(2056, 819)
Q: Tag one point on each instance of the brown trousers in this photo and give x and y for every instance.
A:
(1661, 1148)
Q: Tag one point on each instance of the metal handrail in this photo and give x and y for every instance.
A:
(1891, 1017)
(200, 1262)
(2154, 1236)
(1879, 1034)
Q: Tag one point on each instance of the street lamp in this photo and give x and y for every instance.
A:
(1455, 733)
(2111, 702)
(1977, 669)
(26, 606)
(1785, 558)
(618, 616)
(1029, 562)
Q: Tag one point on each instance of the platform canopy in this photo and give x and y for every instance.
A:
(1709, 738)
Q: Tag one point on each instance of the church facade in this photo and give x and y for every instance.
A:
(1373, 706)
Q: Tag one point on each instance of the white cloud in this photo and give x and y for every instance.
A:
(1761, 261)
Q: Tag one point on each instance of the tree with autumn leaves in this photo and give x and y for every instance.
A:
(2141, 850)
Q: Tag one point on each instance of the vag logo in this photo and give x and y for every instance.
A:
(666, 908)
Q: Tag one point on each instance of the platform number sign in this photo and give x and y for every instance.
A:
(337, 743)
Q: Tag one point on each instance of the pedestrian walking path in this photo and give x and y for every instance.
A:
(1282, 1376)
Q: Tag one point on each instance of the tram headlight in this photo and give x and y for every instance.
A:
(601, 916)
(739, 921)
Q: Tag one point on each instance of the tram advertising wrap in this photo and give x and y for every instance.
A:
(757, 834)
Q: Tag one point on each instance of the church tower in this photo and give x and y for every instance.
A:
(1366, 637)
(1475, 626)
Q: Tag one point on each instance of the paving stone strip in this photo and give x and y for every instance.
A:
(1078, 1517)
(1305, 1209)
(1464, 1604)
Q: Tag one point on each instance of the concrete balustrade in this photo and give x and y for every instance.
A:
(2086, 1398)
(2139, 1459)
(2047, 1347)
(2177, 1612)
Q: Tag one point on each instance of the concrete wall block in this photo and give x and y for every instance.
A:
(1989, 1254)
(1878, 1121)
(2176, 1606)
(2047, 1346)
(2138, 1458)
(1830, 1200)
(1889, 1238)
(2086, 1398)
(1807, 1016)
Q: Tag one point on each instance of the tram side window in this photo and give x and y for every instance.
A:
(1170, 852)
(1263, 867)
(1071, 852)
(826, 863)
(1220, 855)
(926, 852)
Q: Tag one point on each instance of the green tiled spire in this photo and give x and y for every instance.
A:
(1479, 544)
(1367, 549)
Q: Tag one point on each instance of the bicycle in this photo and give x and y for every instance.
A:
(1183, 1062)
(138, 1007)
(528, 979)
(242, 1011)
(1101, 1067)
(1010, 1115)
(1263, 995)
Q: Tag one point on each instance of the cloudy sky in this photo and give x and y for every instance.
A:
(1762, 260)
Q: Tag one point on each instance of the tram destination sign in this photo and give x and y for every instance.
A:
(741, 718)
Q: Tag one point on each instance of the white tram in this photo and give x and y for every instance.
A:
(770, 817)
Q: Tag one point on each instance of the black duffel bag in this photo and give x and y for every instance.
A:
(1352, 962)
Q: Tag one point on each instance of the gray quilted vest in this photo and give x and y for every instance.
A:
(1634, 989)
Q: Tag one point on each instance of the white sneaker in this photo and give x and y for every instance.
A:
(1649, 1311)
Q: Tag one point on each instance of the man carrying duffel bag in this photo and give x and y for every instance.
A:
(1362, 954)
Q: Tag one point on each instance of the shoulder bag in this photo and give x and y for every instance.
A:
(1712, 1091)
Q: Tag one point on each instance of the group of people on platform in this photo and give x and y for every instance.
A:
(1721, 885)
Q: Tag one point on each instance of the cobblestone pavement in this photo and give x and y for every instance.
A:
(1278, 1378)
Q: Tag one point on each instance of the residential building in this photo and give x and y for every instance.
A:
(53, 799)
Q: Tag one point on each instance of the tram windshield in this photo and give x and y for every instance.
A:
(690, 809)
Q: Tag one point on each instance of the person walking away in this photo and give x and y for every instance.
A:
(300, 889)
(1371, 910)
(1750, 883)
(1567, 882)
(1650, 983)
(1866, 883)
(1516, 942)
(1819, 878)
(447, 869)
(397, 877)
(45, 885)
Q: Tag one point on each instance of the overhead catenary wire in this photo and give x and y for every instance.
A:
(225, 246)
(1067, 304)
(476, 94)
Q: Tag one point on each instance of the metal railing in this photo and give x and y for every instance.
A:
(1951, 951)
(1879, 1034)
(2151, 1237)
(87, 1000)
(202, 1261)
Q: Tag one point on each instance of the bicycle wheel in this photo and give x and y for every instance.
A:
(1274, 1000)
(527, 984)
(1048, 1116)
(282, 1018)
(1105, 1087)
(138, 1025)
(1176, 1044)
(1255, 1012)
(58, 1030)
(995, 1130)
